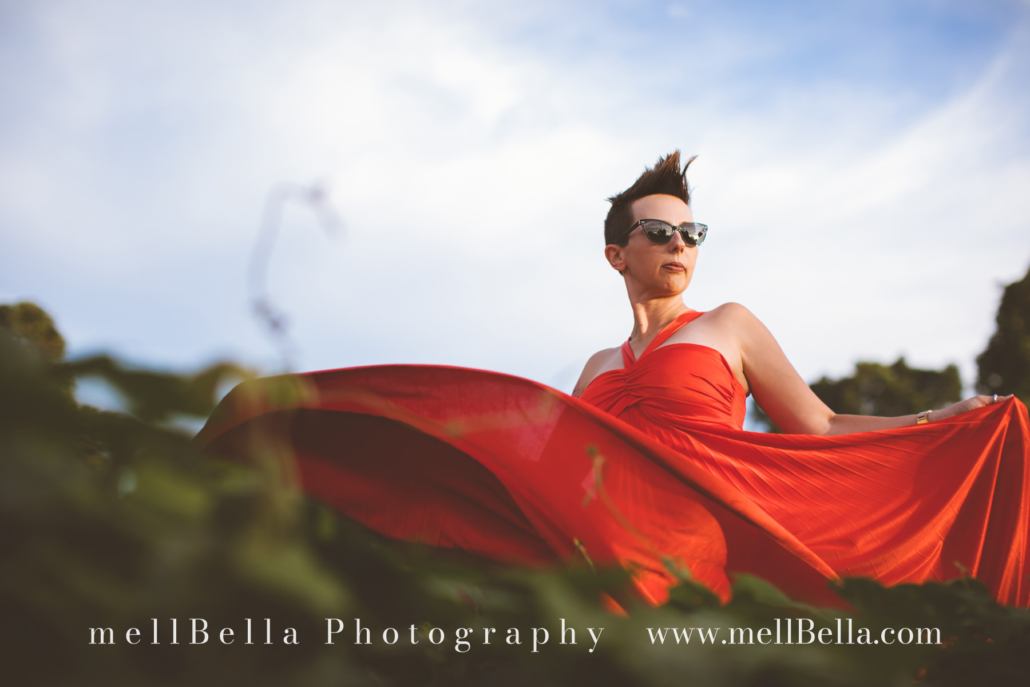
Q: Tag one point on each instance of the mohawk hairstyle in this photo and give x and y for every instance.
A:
(665, 178)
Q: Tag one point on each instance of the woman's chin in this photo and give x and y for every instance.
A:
(676, 280)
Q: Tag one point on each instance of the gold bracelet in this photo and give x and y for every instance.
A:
(923, 417)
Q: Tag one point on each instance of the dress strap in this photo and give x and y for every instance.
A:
(671, 329)
(629, 359)
(627, 355)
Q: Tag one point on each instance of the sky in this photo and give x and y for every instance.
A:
(863, 168)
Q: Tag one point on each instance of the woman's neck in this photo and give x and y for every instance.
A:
(650, 317)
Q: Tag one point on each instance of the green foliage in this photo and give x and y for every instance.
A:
(1004, 368)
(874, 389)
(112, 520)
(30, 323)
(890, 391)
(883, 390)
(157, 396)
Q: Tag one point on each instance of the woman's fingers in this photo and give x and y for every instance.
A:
(971, 403)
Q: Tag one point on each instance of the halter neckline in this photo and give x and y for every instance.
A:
(668, 330)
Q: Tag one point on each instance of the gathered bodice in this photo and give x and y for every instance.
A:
(671, 384)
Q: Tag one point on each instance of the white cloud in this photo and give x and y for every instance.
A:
(470, 168)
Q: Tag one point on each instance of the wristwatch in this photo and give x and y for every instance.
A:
(923, 417)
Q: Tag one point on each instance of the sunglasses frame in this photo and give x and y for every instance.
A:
(696, 238)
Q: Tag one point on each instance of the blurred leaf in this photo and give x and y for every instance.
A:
(156, 396)
(31, 323)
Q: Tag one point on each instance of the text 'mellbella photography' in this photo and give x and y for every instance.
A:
(790, 631)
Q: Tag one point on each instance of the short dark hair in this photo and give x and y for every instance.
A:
(665, 177)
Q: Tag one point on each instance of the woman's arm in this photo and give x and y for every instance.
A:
(791, 403)
(849, 424)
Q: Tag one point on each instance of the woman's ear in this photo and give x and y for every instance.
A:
(615, 256)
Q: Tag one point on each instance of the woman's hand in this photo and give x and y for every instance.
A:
(965, 406)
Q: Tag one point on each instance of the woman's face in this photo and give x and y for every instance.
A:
(651, 269)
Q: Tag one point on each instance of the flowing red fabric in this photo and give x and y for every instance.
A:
(649, 469)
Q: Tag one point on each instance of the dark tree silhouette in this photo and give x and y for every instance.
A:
(1004, 368)
(884, 390)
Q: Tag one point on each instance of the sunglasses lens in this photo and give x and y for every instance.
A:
(657, 232)
(661, 232)
(694, 234)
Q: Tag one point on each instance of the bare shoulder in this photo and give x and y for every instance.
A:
(731, 311)
(595, 365)
(739, 330)
(733, 321)
(736, 318)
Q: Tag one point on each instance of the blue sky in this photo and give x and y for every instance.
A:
(863, 168)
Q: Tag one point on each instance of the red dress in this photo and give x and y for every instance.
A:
(649, 468)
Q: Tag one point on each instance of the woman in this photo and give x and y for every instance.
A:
(647, 465)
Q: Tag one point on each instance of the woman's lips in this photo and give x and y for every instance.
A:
(673, 267)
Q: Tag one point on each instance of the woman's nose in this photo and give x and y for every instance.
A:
(677, 241)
